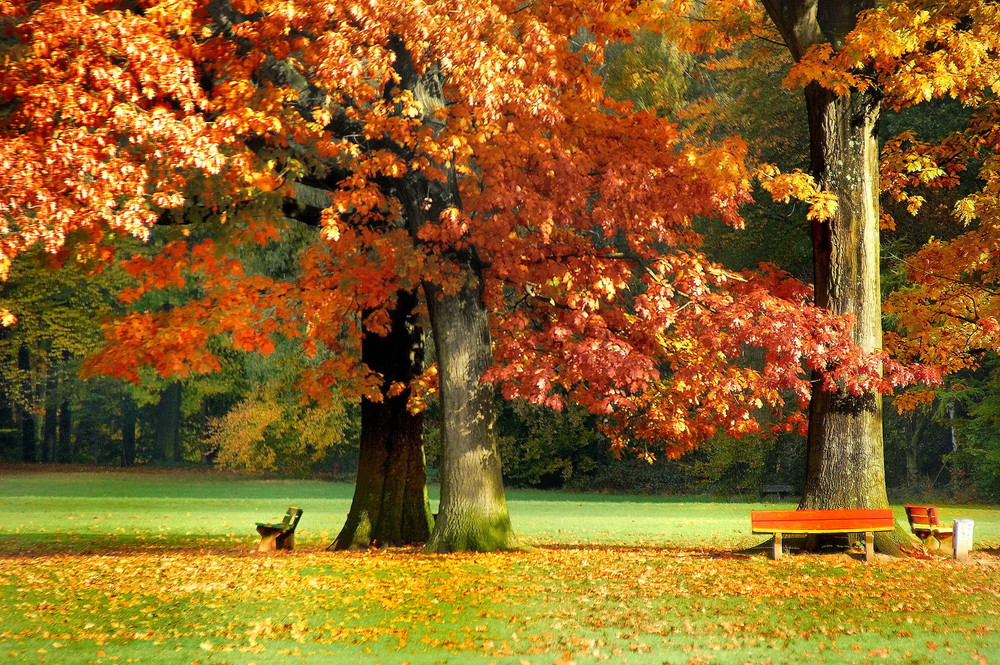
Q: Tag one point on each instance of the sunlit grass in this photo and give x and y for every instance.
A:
(159, 569)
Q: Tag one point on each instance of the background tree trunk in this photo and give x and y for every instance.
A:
(168, 425)
(65, 442)
(390, 506)
(50, 421)
(29, 437)
(7, 425)
(918, 424)
(473, 512)
(130, 414)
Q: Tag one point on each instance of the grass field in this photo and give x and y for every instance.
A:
(158, 568)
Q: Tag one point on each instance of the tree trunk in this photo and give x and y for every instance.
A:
(65, 439)
(7, 425)
(168, 425)
(473, 512)
(845, 465)
(390, 506)
(29, 436)
(50, 421)
(50, 430)
(129, 417)
(918, 423)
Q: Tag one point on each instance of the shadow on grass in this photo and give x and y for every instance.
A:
(43, 545)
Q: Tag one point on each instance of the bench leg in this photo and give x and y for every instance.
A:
(286, 542)
(268, 542)
(776, 548)
(869, 545)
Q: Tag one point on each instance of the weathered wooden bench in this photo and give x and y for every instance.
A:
(925, 525)
(280, 535)
(776, 488)
(809, 522)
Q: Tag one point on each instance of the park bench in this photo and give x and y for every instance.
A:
(280, 535)
(925, 526)
(777, 489)
(811, 522)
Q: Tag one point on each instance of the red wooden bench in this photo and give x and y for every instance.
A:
(925, 526)
(808, 522)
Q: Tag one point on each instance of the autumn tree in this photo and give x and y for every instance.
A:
(465, 152)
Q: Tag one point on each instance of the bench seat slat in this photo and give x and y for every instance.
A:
(822, 521)
(808, 530)
(854, 513)
(789, 526)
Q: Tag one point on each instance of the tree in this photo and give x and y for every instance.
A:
(853, 58)
(531, 209)
(845, 465)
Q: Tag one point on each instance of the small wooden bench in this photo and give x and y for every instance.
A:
(280, 535)
(925, 525)
(809, 522)
(778, 489)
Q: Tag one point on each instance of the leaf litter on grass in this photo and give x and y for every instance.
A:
(582, 605)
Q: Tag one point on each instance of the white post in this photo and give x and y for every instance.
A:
(962, 538)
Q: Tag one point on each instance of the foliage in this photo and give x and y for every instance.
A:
(541, 448)
(270, 429)
(578, 208)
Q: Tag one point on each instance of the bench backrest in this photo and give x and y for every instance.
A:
(922, 517)
(822, 521)
(291, 519)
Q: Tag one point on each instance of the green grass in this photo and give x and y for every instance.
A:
(159, 568)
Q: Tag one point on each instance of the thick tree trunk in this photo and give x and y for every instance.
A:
(390, 506)
(845, 465)
(473, 512)
(168, 425)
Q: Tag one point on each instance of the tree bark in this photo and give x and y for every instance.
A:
(50, 430)
(390, 506)
(918, 423)
(29, 436)
(65, 439)
(845, 465)
(7, 424)
(473, 513)
(129, 416)
(168, 425)
(50, 421)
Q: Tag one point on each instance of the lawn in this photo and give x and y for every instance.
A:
(159, 568)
